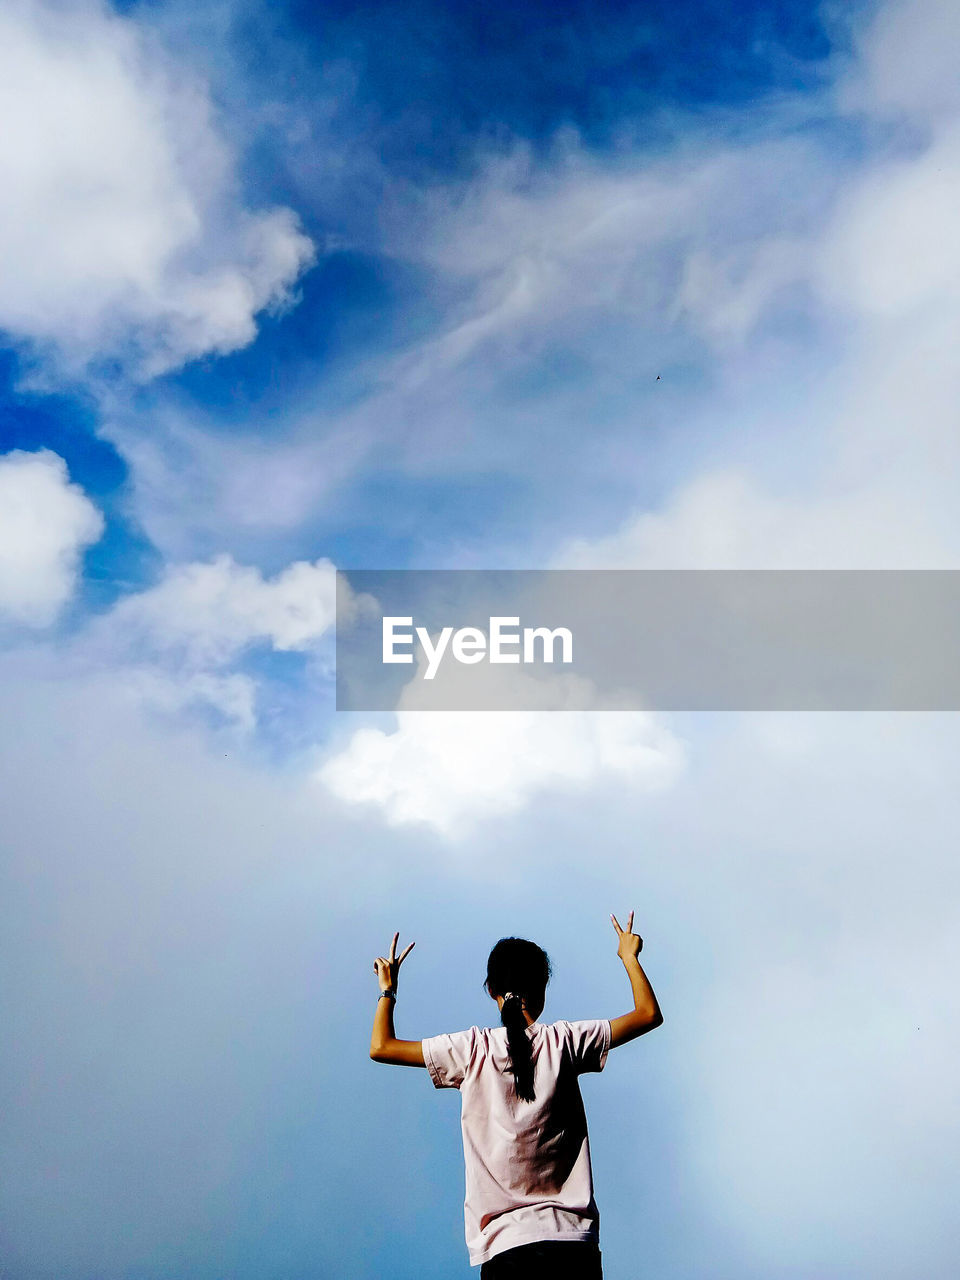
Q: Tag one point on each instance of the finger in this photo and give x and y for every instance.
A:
(630, 923)
(616, 925)
(393, 947)
(404, 953)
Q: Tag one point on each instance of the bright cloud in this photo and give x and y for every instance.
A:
(121, 232)
(45, 524)
(452, 770)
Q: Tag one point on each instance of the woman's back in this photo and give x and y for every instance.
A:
(529, 1209)
(528, 1174)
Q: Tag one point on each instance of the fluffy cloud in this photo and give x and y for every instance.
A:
(45, 523)
(121, 233)
(180, 645)
(453, 770)
(208, 612)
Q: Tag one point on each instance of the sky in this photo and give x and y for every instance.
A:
(288, 288)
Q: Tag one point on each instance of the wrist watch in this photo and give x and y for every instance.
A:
(391, 993)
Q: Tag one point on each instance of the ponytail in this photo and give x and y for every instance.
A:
(518, 970)
(518, 1042)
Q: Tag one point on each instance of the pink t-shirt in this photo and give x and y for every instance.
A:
(528, 1173)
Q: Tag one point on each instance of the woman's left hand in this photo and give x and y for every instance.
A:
(629, 944)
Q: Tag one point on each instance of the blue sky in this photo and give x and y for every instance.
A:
(294, 287)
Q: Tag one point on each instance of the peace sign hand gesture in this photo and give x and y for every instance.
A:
(387, 968)
(630, 943)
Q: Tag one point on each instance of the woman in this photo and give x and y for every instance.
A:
(529, 1209)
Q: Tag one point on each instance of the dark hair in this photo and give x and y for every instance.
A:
(523, 969)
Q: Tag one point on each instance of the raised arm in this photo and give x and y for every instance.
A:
(384, 1045)
(645, 1014)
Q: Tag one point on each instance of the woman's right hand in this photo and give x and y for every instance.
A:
(387, 968)
(630, 944)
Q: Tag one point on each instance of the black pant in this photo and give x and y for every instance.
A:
(546, 1260)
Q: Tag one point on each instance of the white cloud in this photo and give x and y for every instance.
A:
(45, 524)
(183, 643)
(452, 770)
(121, 232)
(209, 612)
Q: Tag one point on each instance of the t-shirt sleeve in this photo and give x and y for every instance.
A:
(589, 1043)
(447, 1057)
